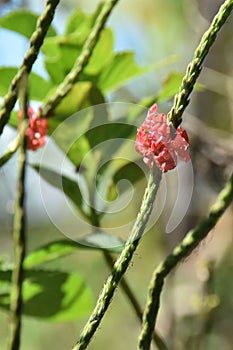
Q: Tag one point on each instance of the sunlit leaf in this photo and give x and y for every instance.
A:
(171, 86)
(38, 86)
(117, 72)
(22, 22)
(64, 247)
(70, 135)
(102, 54)
(82, 23)
(52, 295)
(60, 54)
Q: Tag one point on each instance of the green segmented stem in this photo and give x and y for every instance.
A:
(19, 228)
(121, 263)
(81, 62)
(187, 245)
(36, 41)
(193, 70)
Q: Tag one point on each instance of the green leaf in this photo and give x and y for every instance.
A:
(50, 252)
(39, 87)
(63, 183)
(118, 131)
(102, 54)
(52, 295)
(70, 135)
(22, 22)
(64, 247)
(171, 86)
(133, 172)
(60, 53)
(117, 170)
(81, 96)
(118, 71)
(81, 22)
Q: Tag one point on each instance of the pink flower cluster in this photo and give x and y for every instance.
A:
(158, 145)
(36, 131)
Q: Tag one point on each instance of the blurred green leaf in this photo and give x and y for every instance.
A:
(63, 183)
(22, 22)
(53, 295)
(117, 170)
(39, 87)
(133, 172)
(50, 252)
(102, 54)
(64, 247)
(69, 133)
(81, 96)
(81, 22)
(118, 131)
(60, 55)
(118, 71)
(171, 86)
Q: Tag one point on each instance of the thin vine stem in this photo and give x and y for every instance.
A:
(19, 228)
(122, 262)
(36, 42)
(82, 60)
(193, 70)
(125, 287)
(159, 342)
(187, 245)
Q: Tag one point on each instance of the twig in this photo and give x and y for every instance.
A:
(121, 263)
(19, 235)
(81, 62)
(36, 41)
(194, 68)
(187, 245)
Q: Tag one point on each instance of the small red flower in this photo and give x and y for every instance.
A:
(36, 131)
(155, 142)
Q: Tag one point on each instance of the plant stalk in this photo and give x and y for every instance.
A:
(187, 245)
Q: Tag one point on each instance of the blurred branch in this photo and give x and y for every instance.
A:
(207, 306)
(19, 238)
(81, 62)
(221, 142)
(187, 245)
(122, 262)
(11, 149)
(215, 145)
(194, 68)
(36, 41)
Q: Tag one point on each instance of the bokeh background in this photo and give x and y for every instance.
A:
(197, 303)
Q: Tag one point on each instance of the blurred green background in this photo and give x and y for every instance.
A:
(197, 303)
